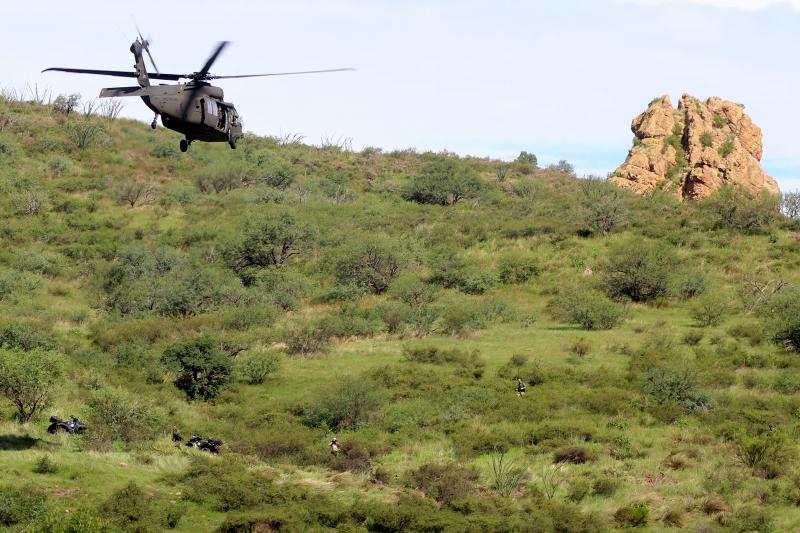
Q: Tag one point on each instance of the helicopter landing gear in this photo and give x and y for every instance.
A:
(185, 143)
(153, 124)
(232, 144)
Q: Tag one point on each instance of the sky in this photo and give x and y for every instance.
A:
(477, 77)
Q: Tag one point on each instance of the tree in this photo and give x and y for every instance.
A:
(268, 242)
(202, 369)
(640, 270)
(369, 264)
(790, 204)
(444, 181)
(27, 379)
(735, 208)
(526, 157)
(603, 205)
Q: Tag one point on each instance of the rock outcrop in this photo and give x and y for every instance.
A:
(694, 149)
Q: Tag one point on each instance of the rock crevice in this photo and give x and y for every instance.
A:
(694, 150)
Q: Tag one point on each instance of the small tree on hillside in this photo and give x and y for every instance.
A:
(639, 270)
(370, 264)
(444, 181)
(604, 206)
(27, 379)
(202, 369)
(268, 242)
(735, 208)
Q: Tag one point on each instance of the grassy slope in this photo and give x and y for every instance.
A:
(68, 303)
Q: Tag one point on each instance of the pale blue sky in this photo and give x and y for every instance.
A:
(486, 78)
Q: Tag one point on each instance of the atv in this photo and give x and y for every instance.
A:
(74, 426)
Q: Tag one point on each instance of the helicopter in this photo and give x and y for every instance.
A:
(196, 108)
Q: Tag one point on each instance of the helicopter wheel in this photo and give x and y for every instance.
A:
(233, 144)
(184, 145)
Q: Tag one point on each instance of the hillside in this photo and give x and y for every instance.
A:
(280, 295)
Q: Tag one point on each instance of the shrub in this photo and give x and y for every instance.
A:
(732, 207)
(751, 519)
(445, 483)
(282, 288)
(586, 308)
(675, 386)
(767, 453)
(21, 504)
(28, 380)
(782, 319)
(45, 465)
(517, 267)
(24, 337)
(632, 514)
(354, 456)
(605, 486)
(66, 104)
(268, 242)
(306, 338)
(640, 270)
(573, 454)
(223, 176)
(507, 473)
(257, 367)
(719, 120)
(528, 158)
(440, 356)
(709, 309)
(117, 415)
(202, 369)
(726, 148)
(706, 139)
(444, 181)
(603, 205)
(371, 264)
(346, 404)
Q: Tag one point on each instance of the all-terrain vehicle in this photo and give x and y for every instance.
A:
(74, 426)
(206, 444)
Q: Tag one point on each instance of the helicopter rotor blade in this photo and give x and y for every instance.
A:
(200, 75)
(203, 72)
(119, 73)
(145, 44)
(281, 73)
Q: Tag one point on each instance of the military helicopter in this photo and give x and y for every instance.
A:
(196, 108)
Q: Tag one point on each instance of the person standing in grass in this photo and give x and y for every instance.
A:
(520, 388)
(334, 446)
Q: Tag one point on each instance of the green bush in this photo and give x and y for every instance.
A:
(25, 337)
(256, 367)
(28, 380)
(445, 483)
(117, 415)
(370, 264)
(640, 270)
(346, 404)
(676, 386)
(517, 267)
(782, 319)
(444, 181)
(282, 288)
(709, 309)
(632, 514)
(306, 337)
(21, 504)
(731, 207)
(201, 369)
(726, 148)
(586, 308)
(751, 519)
(45, 465)
(706, 139)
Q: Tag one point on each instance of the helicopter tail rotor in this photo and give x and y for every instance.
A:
(146, 46)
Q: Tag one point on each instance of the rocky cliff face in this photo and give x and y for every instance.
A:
(694, 150)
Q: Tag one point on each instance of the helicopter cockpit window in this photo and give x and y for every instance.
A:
(211, 107)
